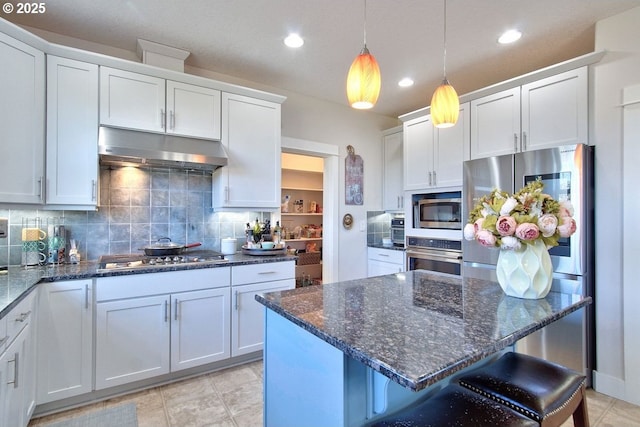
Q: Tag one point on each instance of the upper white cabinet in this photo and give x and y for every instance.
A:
(251, 137)
(72, 132)
(392, 184)
(142, 102)
(433, 157)
(22, 85)
(545, 113)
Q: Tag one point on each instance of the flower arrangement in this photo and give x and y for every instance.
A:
(507, 222)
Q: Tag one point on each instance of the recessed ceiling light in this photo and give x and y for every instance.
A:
(509, 36)
(406, 82)
(293, 40)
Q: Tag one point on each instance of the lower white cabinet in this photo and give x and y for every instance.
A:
(247, 320)
(65, 339)
(17, 365)
(384, 261)
(153, 324)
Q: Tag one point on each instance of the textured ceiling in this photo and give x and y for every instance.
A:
(243, 38)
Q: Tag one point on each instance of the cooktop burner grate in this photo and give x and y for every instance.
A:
(121, 262)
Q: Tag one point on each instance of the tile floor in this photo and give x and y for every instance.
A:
(233, 398)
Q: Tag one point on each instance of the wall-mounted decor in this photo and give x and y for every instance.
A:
(353, 178)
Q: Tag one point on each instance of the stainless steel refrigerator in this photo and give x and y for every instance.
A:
(567, 173)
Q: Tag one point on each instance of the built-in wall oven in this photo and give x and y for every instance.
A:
(397, 231)
(439, 255)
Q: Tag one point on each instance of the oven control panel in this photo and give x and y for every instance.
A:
(423, 242)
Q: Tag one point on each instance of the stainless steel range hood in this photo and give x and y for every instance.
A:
(130, 147)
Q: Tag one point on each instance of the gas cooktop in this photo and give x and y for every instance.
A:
(130, 262)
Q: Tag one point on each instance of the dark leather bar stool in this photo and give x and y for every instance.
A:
(544, 391)
(459, 407)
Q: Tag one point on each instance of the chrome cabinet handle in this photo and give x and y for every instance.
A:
(15, 362)
(41, 184)
(434, 178)
(226, 193)
(430, 180)
(166, 311)
(162, 119)
(267, 272)
(4, 340)
(515, 142)
(175, 311)
(236, 304)
(172, 120)
(86, 297)
(23, 316)
(524, 141)
(94, 189)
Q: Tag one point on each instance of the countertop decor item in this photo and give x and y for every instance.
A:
(523, 225)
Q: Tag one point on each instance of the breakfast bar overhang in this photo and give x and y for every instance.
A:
(344, 354)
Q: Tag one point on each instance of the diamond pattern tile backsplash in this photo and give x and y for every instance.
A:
(137, 207)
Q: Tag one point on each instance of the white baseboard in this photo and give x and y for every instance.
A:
(611, 386)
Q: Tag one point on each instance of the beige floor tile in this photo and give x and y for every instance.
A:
(152, 418)
(249, 418)
(257, 368)
(197, 412)
(150, 399)
(245, 397)
(187, 389)
(229, 379)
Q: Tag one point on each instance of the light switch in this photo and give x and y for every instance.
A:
(4, 228)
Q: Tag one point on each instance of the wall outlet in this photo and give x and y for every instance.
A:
(4, 228)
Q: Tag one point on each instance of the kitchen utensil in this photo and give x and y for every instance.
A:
(228, 246)
(164, 246)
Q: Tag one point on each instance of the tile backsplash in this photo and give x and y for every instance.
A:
(137, 207)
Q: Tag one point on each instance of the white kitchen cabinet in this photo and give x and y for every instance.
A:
(72, 132)
(142, 102)
(555, 111)
(433, 157)
(392, 181)
(22, 125)
(17, 366)
(251, 137)
(139, 331)
(545, 113)
(65, 339)
(247, 319)
(200, 328)
(384, 261)
(132, 340)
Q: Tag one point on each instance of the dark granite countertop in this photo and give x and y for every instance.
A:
(18, 281)
(415, 327)
(391, 248)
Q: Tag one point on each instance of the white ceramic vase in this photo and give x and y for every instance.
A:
(525, 273)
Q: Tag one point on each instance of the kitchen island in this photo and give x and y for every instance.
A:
(346, 353)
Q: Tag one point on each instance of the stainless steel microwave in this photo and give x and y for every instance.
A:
(439, 210)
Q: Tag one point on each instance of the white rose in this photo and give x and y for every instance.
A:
(469, 231)
(508, 206)
(510, 242)
(547, 224)
(566, 204)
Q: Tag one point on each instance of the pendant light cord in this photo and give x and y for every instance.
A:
(445, 40)
(365, 25)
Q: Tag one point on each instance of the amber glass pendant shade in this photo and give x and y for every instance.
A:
(445, 106)
(363, 81)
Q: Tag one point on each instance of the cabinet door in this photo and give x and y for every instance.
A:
(418, 153)
(555, 111)
(65, 340)
(132, 340)
(251, 135)
(132, 100)
(393, 195)
(72, 132)
(22, 75)
(247, 324)
(193, 110)
(450, 150)
(495, 124)
(200, 327)
(379, 268)
(12, 370)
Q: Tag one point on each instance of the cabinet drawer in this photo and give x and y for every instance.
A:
(386, 255)
(265, 272)
(19, 317)
(136, 285)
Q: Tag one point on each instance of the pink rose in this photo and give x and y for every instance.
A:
(506, 225)
(485, 238)
(527, 231)
(547, 224)
(568, 226)
(478, 224)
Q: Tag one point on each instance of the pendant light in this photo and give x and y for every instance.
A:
(445, 105)
(363, 80)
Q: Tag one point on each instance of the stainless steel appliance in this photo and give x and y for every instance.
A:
(132, 262)
(129, 147)
(439, 255)
(567, 173)
(438, 210)
(397, 231)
